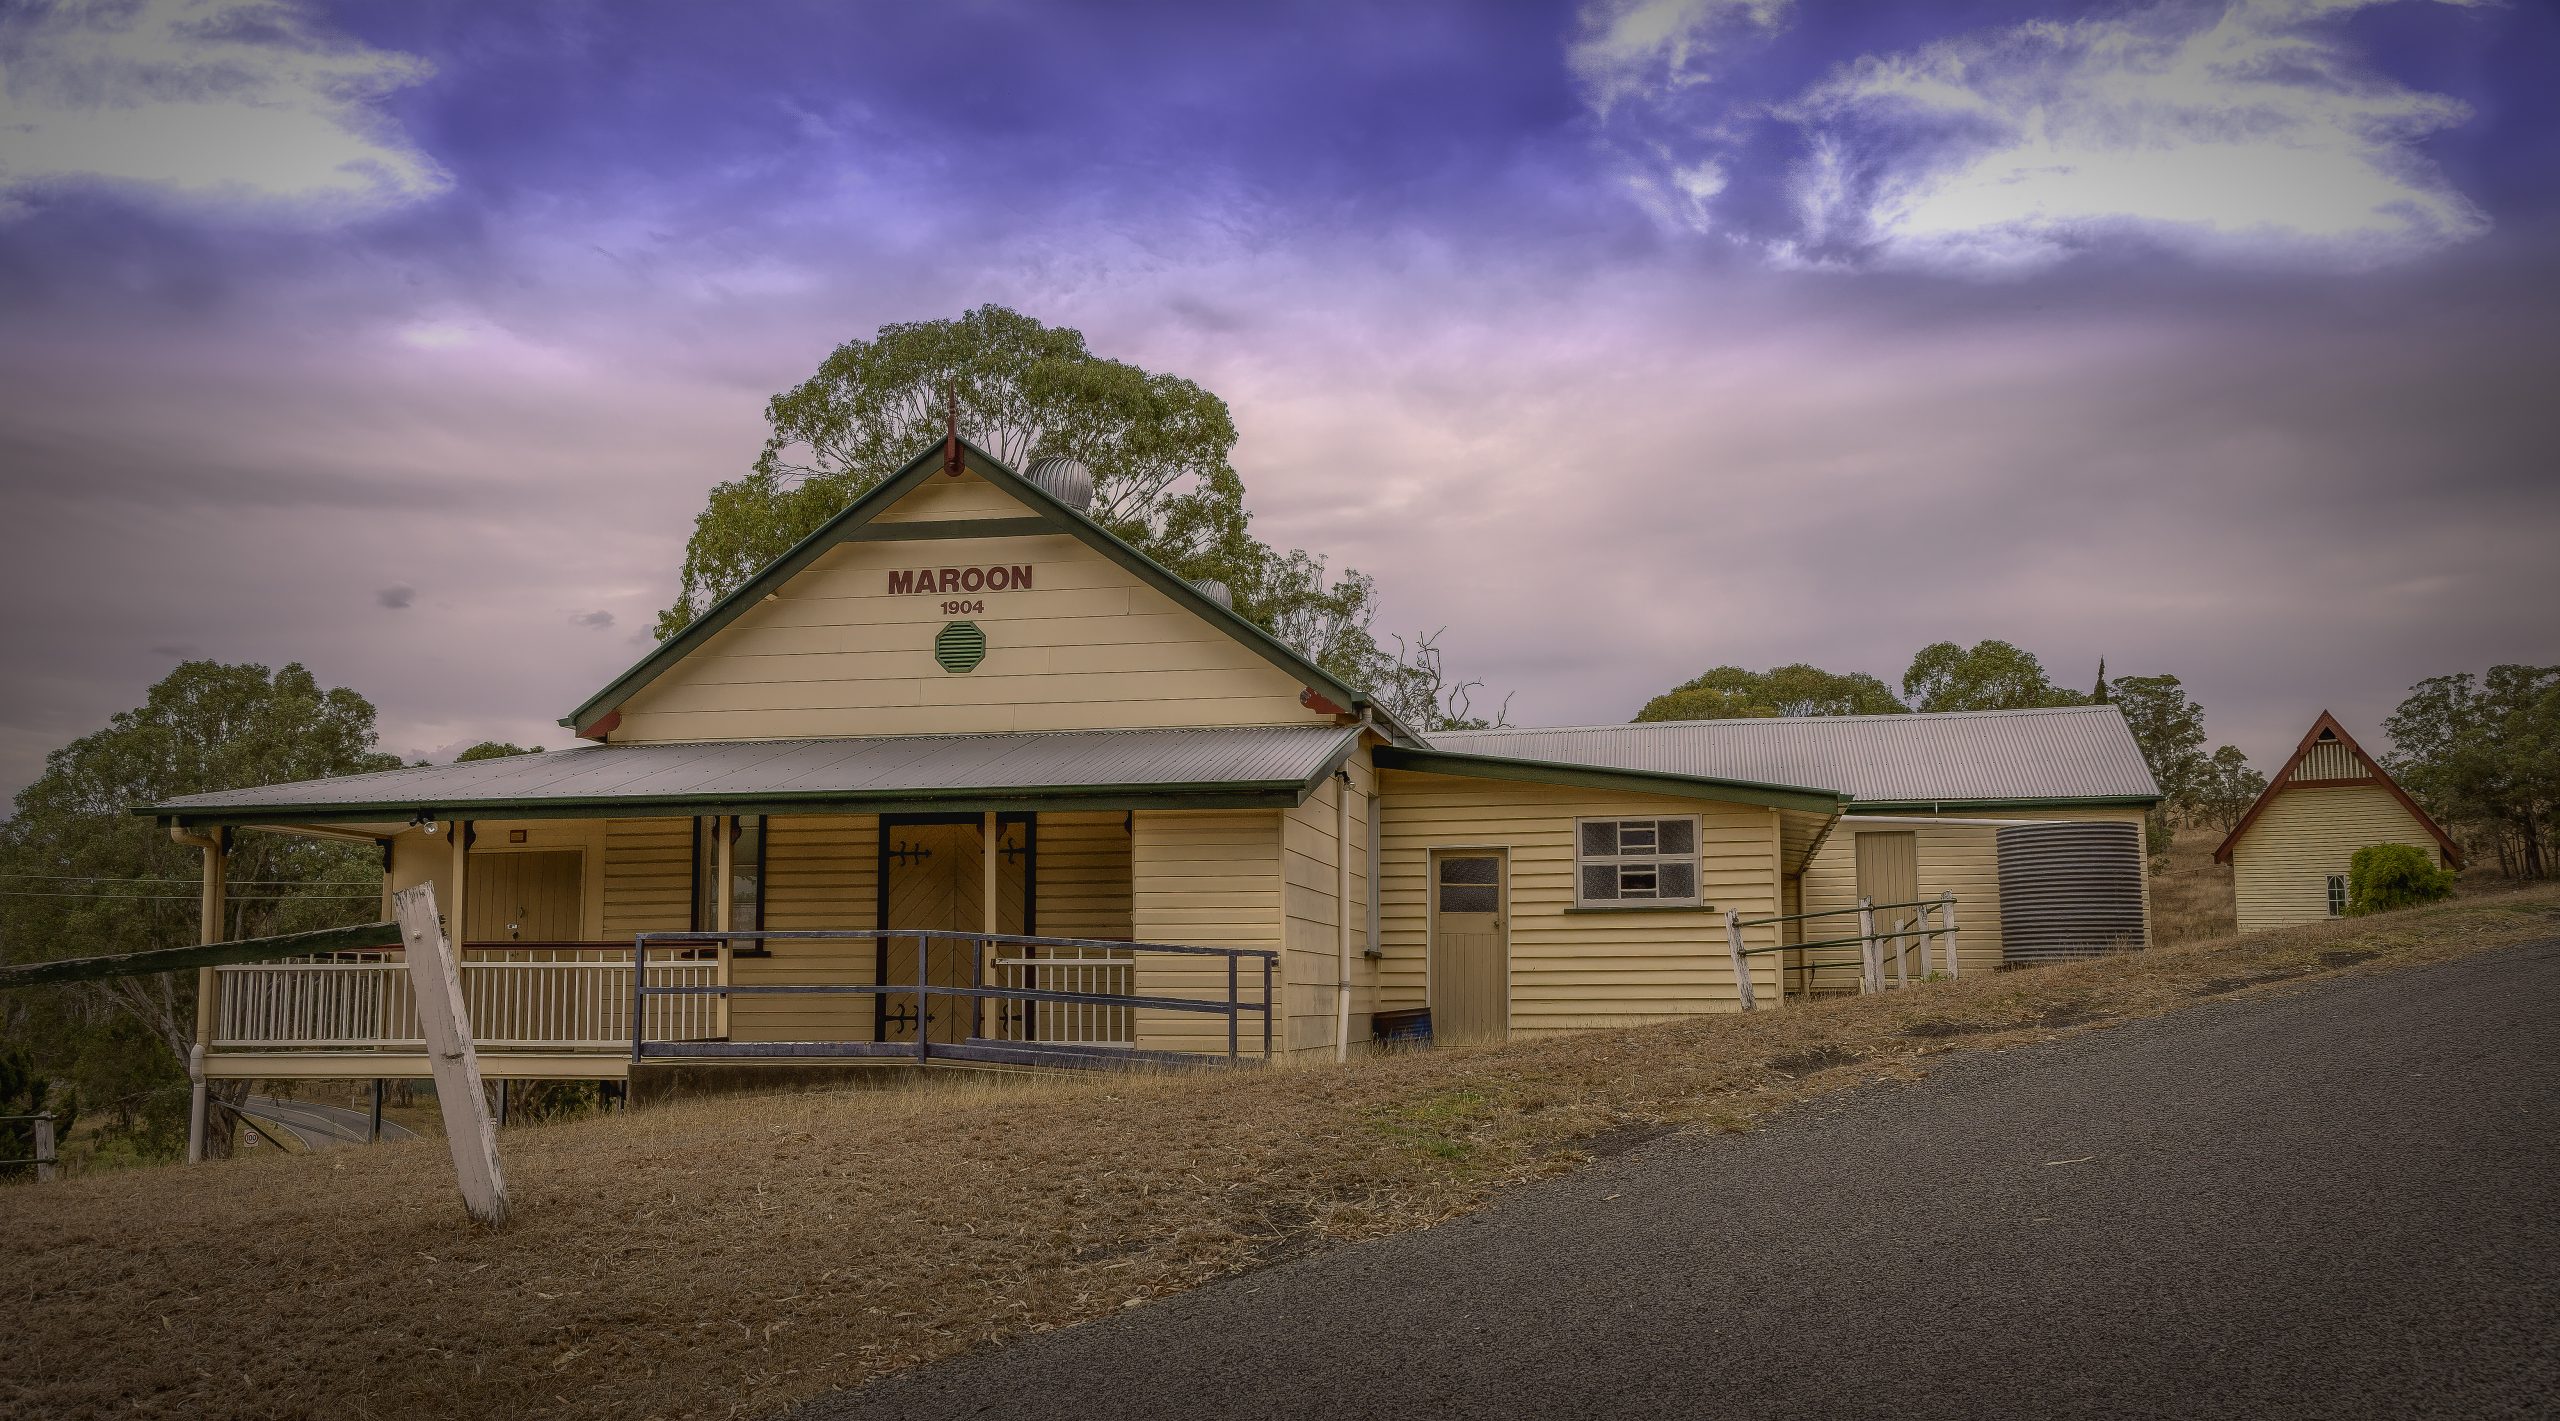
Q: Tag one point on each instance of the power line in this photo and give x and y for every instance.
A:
(190, 897)
(243, 882)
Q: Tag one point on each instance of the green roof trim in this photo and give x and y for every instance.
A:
(1282, 792)
(856, 523)
(1496, 767)
(1219, 794)
(2097, 801)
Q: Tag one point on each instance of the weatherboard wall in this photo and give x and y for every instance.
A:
(1956, 856)
(1311, 861)
(1207, 878)
(1573, 968)
(2280, 868)
(1089, 646)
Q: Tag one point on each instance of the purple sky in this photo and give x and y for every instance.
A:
(1623, 338)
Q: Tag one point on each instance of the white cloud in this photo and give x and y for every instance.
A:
(2251, 129)
(2226, 129)
(218, 101)
(1656, 54)
(1639, 47)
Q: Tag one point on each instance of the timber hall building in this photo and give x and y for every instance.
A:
(965, 778)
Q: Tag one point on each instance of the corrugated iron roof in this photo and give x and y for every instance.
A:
(2006, 757)
(1085, 763)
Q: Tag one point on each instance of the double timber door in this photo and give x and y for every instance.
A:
(933, 876)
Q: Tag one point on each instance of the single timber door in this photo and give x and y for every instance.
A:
(932, 875)
(1470, 945)
(1889, 872)
(528, 897)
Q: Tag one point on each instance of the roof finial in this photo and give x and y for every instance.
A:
(951, 429)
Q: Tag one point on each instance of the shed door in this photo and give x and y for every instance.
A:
(529, 897)
(1470, 949)
(1889, 872)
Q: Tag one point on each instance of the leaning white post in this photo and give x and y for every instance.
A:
(442, 1019)
(196, 1103)
(1947, 902)
(1870, 960)
(1741, 963)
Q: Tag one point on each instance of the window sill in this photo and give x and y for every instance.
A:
(1642, 908)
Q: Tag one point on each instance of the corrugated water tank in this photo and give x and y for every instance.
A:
(2069, 889)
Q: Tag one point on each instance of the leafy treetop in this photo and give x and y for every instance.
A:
(1158, 446)
(1730, 692)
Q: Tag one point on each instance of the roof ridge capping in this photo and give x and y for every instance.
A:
(1890, 717)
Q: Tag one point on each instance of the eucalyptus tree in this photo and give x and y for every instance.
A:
(1730, 693)
(1989, 675)
(82, 876)
(1159, 447)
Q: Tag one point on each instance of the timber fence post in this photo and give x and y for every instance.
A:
(44, 1149)
(1870, 960)
(1949, 902)
(1741, 963)
(436, 978)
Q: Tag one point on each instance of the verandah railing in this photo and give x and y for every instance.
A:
(1024, 998)
(1906, 936)
(557, 997)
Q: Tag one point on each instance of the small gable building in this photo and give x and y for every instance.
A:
(2291, 851)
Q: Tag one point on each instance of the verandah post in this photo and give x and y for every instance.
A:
(639, 999)
(1741, 963)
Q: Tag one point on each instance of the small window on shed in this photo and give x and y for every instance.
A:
(1628, 862)
(2337, 895)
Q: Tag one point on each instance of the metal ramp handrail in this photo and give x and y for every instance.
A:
(1905, 936)
(975, 1048)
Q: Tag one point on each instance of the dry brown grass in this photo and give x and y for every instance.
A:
(2191, 894)
(728, 1255)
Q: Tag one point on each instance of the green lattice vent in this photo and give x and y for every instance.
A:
(960, 647)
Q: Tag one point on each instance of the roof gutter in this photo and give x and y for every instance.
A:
(1263, 794)
(1500, 767)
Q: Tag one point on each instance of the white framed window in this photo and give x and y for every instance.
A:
(1636, 862)
(2337, 895)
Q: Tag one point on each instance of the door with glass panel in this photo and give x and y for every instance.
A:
(1470, 967)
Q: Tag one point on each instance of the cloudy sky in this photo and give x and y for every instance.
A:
(1622, 338)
